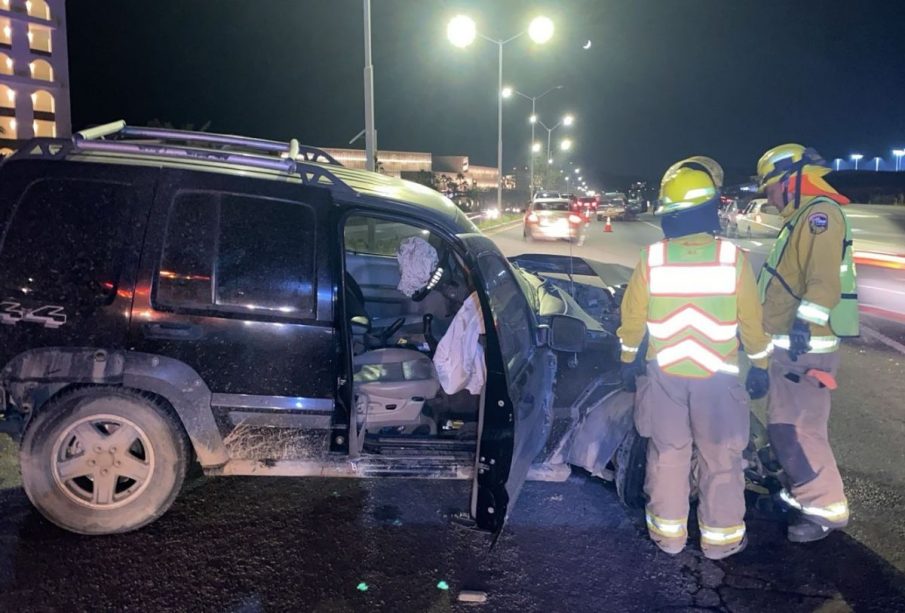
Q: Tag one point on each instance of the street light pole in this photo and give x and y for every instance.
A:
(370, 131)
(499, 120)
(533, 120)
(461, 32)
(898, 153)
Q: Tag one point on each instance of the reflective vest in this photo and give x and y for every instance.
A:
(692, 318)
(843, 318)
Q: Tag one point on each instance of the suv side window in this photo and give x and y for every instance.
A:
(511, 313)
(237, 253)
(378, 236)
(45, 251)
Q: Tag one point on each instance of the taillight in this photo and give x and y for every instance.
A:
(574, 218)
(532, 218)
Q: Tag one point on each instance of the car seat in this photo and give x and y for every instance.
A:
(391, 387)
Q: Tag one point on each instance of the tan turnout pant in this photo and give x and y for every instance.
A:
(798, 417)
(711, 415)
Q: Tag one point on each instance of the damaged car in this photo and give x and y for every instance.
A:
(252, 307)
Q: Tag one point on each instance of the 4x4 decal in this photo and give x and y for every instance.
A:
(49, 315)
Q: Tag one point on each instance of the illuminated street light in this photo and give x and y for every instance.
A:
(461, 32)
(506, 92)
(549, 160)
(566, 120)
(856, 157)
(532, 119)
(898, 153)
(540, 29)
(566, 144)
(837, 162)
(578, 170)
(535, 148)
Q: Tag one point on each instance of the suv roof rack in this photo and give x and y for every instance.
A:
(291, 157)
(292, 150)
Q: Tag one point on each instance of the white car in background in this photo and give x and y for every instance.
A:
(759, 218)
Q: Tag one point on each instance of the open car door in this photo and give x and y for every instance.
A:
(516, 412)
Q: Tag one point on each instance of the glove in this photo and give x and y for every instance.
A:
(630, 372)
(757, 383)
(799, 339)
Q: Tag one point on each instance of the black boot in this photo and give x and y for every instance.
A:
(806, 531)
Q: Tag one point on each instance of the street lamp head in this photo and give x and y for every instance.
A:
(898, 152)
(577, 170)
(568, 120)
(566, 144)
(535, 147)
(461, 31)
(506, 92)
(532, 119)
(540, 29)
(549, 160)
(856, 156)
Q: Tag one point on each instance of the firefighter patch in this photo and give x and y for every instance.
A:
(818, 223)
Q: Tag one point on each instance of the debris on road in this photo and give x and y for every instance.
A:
(472, 596)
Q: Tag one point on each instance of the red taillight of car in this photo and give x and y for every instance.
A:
(532, 218)
(575, 218)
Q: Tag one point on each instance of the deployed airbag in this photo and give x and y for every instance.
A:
(417, 262)
(459, 358)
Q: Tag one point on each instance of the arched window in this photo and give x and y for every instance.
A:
(8, 128)
(42, 102)
(7, 97)
(41, 70)
(44, 127)
(6, 64)
(39, 38)
(38, 8)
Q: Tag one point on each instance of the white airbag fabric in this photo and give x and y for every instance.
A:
(417, 262)
(459, 358)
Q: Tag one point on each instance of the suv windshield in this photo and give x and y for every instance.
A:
(561, 205)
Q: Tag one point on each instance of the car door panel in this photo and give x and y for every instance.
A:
(204, 303)
(516, 412)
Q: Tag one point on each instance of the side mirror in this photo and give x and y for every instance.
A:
(566, 334)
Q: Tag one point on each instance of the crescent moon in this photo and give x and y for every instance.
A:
(587, 45)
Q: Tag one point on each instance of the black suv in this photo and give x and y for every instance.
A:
(171, 297)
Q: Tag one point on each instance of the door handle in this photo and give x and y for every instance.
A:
(172, 331)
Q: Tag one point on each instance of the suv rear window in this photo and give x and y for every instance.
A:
(232, 252)
(552, 206)
(52, 220)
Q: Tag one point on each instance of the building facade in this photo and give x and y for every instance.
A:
(34, 71)
(392, 163)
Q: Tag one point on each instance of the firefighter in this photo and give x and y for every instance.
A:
(807, 287)
(692, 294)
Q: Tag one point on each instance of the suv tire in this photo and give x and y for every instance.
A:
(631, 468)
(135, 449)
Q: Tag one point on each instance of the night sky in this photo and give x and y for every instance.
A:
(664, 79)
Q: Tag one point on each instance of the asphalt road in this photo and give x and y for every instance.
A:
(268, 544)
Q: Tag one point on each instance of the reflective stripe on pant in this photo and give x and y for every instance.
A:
(678, 414)
(798, 415)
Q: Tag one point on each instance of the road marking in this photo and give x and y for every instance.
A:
(652, 225)
(882, 289)
(871, 333)
(757, 243)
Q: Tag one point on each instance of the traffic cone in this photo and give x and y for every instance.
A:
(608, 227)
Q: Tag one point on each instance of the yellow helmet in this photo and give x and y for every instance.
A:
(699, 162)
(685, 187)
(780, 162)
